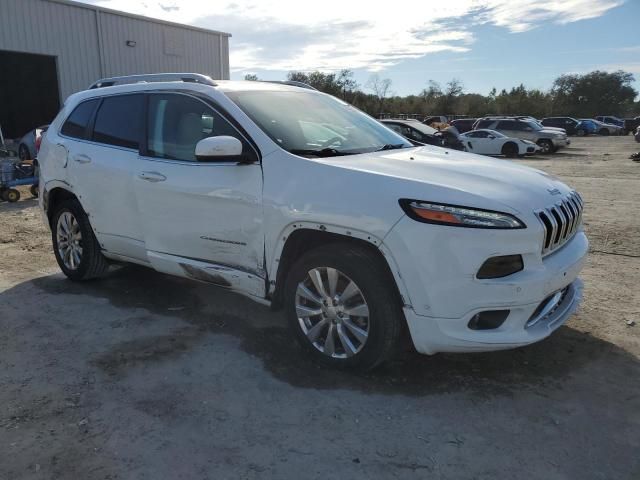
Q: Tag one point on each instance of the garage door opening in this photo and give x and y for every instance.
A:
(29, 92)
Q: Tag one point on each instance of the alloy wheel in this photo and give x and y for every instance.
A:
(332, 312)
(69, 239)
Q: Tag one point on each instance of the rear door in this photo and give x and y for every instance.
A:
(200, 219)
(100, 173)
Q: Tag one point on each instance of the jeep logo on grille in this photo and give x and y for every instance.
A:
(553, 191)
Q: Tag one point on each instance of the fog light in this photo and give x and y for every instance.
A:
(498, 267)
(488, 320)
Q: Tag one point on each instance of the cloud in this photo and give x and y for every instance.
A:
(335, 34)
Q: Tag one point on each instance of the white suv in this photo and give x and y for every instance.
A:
(300, 201)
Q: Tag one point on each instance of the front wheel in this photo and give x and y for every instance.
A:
(546, 146)
(580, 132)
(12, 195)
(74, 244)
(343, 308)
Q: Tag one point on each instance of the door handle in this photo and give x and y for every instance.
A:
(152, 177)
(82, 159)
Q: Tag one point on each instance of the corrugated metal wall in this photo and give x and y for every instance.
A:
(90, 43)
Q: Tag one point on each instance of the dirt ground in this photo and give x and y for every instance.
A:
(144, 376)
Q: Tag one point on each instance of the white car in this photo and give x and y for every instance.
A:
(357, 235)
(490, 142)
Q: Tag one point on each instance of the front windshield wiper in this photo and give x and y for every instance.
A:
(325, 152)
(391, 146)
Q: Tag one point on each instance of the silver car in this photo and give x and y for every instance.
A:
(605, 128)
(548, 140)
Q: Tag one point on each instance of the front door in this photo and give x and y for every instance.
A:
(201, 220)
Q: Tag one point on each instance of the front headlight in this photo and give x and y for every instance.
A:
(458, 216)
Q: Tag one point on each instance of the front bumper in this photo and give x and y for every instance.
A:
(522, 327)
(444, 293)
(561, 142)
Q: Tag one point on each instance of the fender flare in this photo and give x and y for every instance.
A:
(347, 232)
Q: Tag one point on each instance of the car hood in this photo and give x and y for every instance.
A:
(447, 176)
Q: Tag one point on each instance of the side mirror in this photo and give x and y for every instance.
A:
(220, 148)
(491, 137)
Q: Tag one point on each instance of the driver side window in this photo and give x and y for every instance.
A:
(176, 123)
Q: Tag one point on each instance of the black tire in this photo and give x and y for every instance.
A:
(546, 146)
(510, 150)
(371, 275)
(33, 189)
(3, 194)
(23, 152)
(12, 195)
(92, 263)
(580, 132)
(603, 132)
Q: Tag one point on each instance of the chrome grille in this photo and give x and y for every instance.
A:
(561, 221)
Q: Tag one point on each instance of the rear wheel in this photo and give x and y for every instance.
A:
(603, 131)
(510, 150)
(546, 146)
(74, 244)
(580, 132)
(342, 307)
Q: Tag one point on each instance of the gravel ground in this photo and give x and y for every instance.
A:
(144, 376)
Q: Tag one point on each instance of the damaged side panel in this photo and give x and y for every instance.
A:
(248, 283)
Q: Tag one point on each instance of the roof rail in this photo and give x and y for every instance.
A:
(155, 77)
(293, 83)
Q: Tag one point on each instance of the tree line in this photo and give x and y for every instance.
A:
(576, 95)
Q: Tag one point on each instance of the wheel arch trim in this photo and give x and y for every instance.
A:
(349, 234)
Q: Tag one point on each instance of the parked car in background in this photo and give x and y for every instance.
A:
(569, 124)
(630, 124)
(490, 142)
(463, 124)
(591, 126)
(438, 121)
(610, 120)
(548, 140)
(637, 135)
(359, 237)
(29, 144)
(605, 128)
(539, 123)
(416, 132)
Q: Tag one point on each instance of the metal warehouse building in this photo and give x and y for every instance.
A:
(50, 49)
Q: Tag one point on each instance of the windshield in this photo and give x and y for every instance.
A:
(308, 123)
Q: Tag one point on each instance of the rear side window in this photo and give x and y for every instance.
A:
(119, 121)
(512, 125)
(76, 124)
(484, 124)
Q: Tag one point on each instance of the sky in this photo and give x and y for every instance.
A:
(483, 43)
